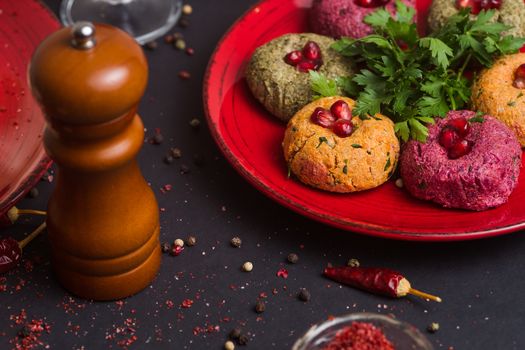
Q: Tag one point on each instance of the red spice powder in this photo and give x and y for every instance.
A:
(360, 336)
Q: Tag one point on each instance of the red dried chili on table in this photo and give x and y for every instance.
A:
(360, 336)
(376, 280)
(11, 249)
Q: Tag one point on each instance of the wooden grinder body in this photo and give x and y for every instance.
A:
(102, 219)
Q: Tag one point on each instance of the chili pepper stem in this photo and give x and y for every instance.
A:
(424, 295)
(32, 235)
(32, 212)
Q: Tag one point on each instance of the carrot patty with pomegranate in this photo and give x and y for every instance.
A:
(277, 73)
(500, 91)
(469, 161)
(327, 148)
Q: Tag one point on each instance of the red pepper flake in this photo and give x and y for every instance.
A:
(186, 303)
(360, 336)
(190, 51)
(166, 188)
(119, 303)
(176, 250)
(170, 304)
(282, 273)
(263, 295)
(20, 318)
(184, 75)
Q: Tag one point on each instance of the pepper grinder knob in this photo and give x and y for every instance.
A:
(83, 34)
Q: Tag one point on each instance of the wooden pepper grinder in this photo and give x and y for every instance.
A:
(103, 220)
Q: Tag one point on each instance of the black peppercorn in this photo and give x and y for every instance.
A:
(151, 45)
(243, 339)
(260, 306)
(33, 193)
(304, 295)
(235, 334)
(292, 258)
(166, 247)
(168, 159)
(157, 138)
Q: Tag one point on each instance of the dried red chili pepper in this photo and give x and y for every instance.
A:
(376, 280)
(11, 249)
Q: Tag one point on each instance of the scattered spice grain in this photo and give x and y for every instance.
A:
(157, 138)
(190, 51)
(260, 306)
(180, 44)
(168, 159)
(235, 334)
(151, 45)
(399, 183)
(292, 258)
(236, 242)
(178, 242)
(243, 339)
(169, 38)
(433, 327)
(166, 247)
(33, 193)
(184, 75)
(176, 153)
(187, 9)
(229, 345)
(184, 22)
(353, 263)
(191, 241)
(184, 169)
(195, 123)
(304, 295)
(247, 266)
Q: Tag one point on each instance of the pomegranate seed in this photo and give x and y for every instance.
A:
(343, 128)
(478, 5)
(293, 58)
(322, 117)
(371, 3)
(312, 51)
(305, 66)
(519, 77)
(460, 149)
(341, 110)
(519, 83)
(448, 138)
(460, 125)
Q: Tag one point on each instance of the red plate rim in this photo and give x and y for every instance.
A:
(357, 227)
(42, 164)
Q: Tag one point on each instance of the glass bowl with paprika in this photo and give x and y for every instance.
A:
(363, 331)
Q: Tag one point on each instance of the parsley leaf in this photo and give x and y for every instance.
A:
(412, 79)
(322, 86)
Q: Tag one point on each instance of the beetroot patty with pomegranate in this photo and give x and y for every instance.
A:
(338, 18)
(469, 162)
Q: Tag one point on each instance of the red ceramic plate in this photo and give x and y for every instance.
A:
(23, 25)
(250, 138)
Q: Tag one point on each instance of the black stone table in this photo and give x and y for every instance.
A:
(481, 282)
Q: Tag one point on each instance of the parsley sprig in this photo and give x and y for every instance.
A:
(413, 79)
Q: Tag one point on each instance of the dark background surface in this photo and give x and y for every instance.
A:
(481, 282)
